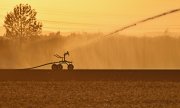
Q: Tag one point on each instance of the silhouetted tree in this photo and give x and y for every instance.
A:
(22, 22)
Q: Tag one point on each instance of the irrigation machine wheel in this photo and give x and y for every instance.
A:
(70, 67)
(54, 67)
(59, 67)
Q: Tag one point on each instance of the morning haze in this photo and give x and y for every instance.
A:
(98, 16)
(83, 27)
(89, 53)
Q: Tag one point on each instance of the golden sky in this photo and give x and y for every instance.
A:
(98, 15)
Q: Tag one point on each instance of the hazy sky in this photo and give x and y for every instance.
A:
(98, 15)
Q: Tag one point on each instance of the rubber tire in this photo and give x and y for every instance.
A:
(54, 67)
(59, 67)
(70, 67)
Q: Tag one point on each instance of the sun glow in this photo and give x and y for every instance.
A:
(97, 16)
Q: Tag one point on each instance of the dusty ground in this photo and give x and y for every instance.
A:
(90, 75)
(90, 89)
(90, 94)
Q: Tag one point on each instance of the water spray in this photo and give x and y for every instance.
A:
(144, 20)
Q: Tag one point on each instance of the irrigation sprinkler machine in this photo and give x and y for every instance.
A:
(59, 65)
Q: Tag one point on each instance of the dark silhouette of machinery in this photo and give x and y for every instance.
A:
(59, 65)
